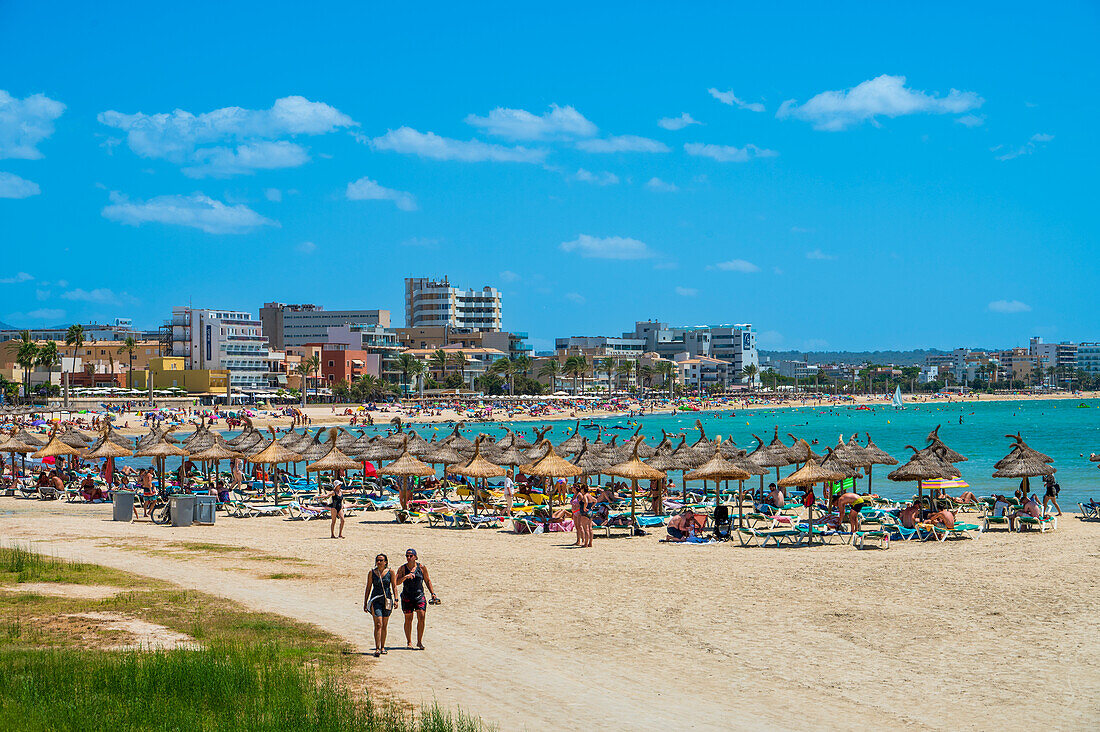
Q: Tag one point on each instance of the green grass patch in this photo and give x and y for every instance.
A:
(228, 688)
(284, 575)
(19, 564)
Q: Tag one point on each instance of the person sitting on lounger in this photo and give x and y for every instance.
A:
(1031, 508)
(1000, 506)
(967, 497)
(776, 497)
(682, 527)
(909, 515)
(943, 518)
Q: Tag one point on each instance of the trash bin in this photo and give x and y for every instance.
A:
(183, 509)
(205, 509)
(124, 505)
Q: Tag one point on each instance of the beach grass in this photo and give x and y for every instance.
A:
(250, 670)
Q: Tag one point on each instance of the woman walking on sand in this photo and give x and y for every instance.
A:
(378, 600)
(336, 508)
(413, 576)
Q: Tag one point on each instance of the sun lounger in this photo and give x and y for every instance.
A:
(875, 537)
(303, 512)
(1089, 511)
(776, 537)
(1043, 525)
(242, 509)
(959, 531)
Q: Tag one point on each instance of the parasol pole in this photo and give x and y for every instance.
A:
(633, 490)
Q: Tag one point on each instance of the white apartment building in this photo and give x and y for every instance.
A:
(296, 325)
(431, 302)
(704, 372)
(1088, 357)
(224, 339)
(733, 343)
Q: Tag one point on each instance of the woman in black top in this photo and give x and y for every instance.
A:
(337, 507)
(1051, 494)
(378, 600)
(413, 576)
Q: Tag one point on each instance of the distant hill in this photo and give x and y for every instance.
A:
(5, 326)
(900, 358)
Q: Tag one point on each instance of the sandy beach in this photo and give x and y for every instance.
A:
(998, 632)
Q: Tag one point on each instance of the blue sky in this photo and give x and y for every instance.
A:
(866, 177)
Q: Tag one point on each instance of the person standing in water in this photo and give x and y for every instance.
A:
(413, 576)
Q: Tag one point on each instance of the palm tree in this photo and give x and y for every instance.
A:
(572, 369)
(582, 369)
(73, 337)
(775, 377)
(302, 371)
(370, 387)
(408, 365)
(645, 375)
(314, 363)
(458, 360)
(129, 346)
(625, 368)
(667, 370)
(26, 357)
(523, 364)
(438, 361)
(48, 356)
(749, 371)
(505, 368)
(550, 370)
(607, 366)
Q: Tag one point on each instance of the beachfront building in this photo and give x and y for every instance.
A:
(171, 372)
(733, 343)
(791, 369)
(229, 340)
(1088, 357)
(96, 363)
(473, 363)
(341, 363)
(430, 302)
(373, 340)
(437, 336)
(1060, 358)
(296, 325)
(1017, 364)
(703, 373)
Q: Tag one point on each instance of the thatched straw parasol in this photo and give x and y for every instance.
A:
(923, 466)
(74, 438)
(457, 441)
(703, 446)
(479, 469)
(377, 450)
(443, 454)
(334, 460)
(1022, 449)
(56, 447)
(214, 453)
(572, 444)
(160, 450)
(591, 463)
(511, 455)
(1023, 461)
(634, 470)
(106, 449)
(28, 439)
(200, 439)
(14, 445)
(875, 456)
(552, 466)
(772, 455)
(274, 454)
(943, 451)
(719, 469)
(407, 466)
(810, 474)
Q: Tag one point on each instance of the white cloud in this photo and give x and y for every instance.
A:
(601, 179)
(819, 255)
(100, 296)
(737, 265)
(728, 97)
(677, 123)
(883, 96)
(41, 314)
(221, 162)
(24, 123)
(1033, 144)
(1009, 306)
(622, 143)
(306, 247)
(366, 189)
(687, 291)
(19, 277)
(728, 153)
(42, 294)
(273, 194)
(609, 247)
(656, 184)
(430, 145)
(12, 186)
(196, 210)
(519, 124)
(193, 140)
(971, 120)
(575, 297)
(509, 276)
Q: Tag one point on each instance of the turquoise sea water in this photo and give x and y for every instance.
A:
(1061, 429)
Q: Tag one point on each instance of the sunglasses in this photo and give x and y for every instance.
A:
(380, 559)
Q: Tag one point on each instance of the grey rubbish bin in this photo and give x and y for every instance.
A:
(183, 510)
(124, 505)
(205, 509)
